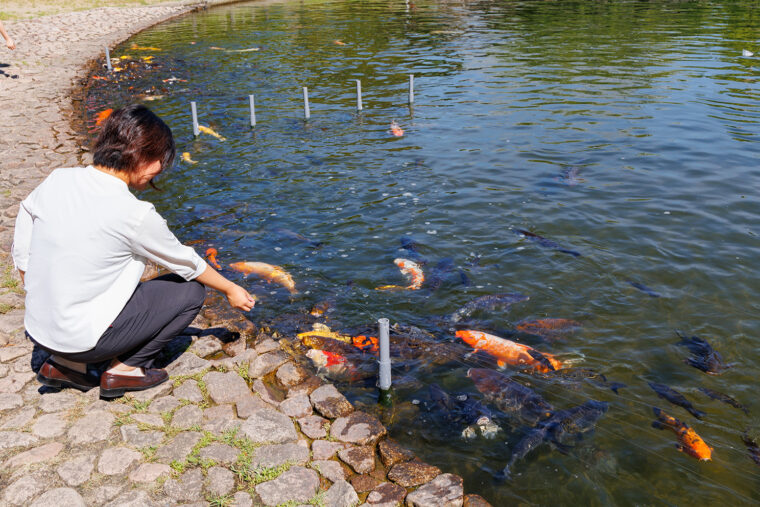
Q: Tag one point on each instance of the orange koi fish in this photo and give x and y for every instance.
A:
(268, 272)
(323, 331)
(690, 443)
(98, 78)
(211, 254)
(339, 43)
(411, 270)
(103, 116)
(396, 130)
(321, 308)
(509, 352)
(144, 48)
(366, 343)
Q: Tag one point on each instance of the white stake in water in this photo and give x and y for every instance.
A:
(385, 355)
(411, 88)
(306, 112)
(253, 110)
(194, 110)
(108, 60)
(358, 95)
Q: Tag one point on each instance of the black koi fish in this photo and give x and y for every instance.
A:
(752, 447)
(509, 396)
(488, 302)
(716, 395)
(546, 243)
(704, 357)
(676, 398)
(643, 288)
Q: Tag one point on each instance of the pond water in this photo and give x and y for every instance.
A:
(624, 131)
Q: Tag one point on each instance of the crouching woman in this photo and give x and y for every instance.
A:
(81, 244)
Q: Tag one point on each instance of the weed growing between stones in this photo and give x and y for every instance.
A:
(125, 418)
(220, 500)
(9, 281)
(317, 500)
(242, 370)
(140, 406)
(5, 308)
(149, 453)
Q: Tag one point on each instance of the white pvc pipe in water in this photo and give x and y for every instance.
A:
(385, 355)
(194, 111)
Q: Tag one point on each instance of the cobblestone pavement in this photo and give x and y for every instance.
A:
(250, 427)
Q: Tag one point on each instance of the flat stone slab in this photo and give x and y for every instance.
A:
(329, 469)
(219, 419)
(291, 374)
(242, 499)
(58, 402)
(267, 345)
(37, 455)
(329, 402)
(387, 493)
(189, 487)
(163, 404)
(341, 494)
(226, 387)
(267, 363)
(149, 472)
(93, 427)
(446, 490)
(21, 419)
(364, 483)
(132, 498)
(324, 449)
(15, 439)
(179, 447)
(412, 473)
(298, 406)
(152, 393)
(391, 452)
(189, 391)
(269, 426)
(10, 353)
(249, 404)
(58, 497)
(472, 500)
(298, 484)
(222, 454)
(133, 436)
(23, 489)
(77, 471)
(10, 401)
(187, 364)
(219, 481)
(314, 426)
(14, 382)
(50, 425)
(360, 459)
(149, 419)
(206, 346)
(266, 394)
(116, 460)
(275, 455)
(187, 417)
(358, 428)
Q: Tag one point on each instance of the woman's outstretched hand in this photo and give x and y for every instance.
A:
(239, 298)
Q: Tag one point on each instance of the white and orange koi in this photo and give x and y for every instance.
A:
(267, 272)
(412, 271)
(509, 352)
(211, 132)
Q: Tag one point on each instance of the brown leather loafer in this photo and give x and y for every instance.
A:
(56, 375)
(113, 385)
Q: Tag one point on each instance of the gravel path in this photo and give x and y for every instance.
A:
(252, 428)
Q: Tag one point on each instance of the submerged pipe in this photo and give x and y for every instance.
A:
(358, 95)
(411, 88)
(385, 355)
(108, 60)
(253, 110)
(306, 112)
(194, 111)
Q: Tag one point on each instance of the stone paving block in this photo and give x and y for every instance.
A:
(8, 354)
(25, 488)
(149, 419)
(58, 402)
(219, 481)
(360, 459)
(149, 472)
(391, 452)
(291, 374)
(225, 387)
(358, 428)
(267, 363)
(152, 393)
(178, 447)
(266, 345)
(58, 497)
(249, 404)
(364, 483)
(329, 469)
(475, 501)
(187, 364)
(10, 401)
(189, 391)
(329, 402)
(77, 471)
(93, 427)
(50, 425)
(241, 499)
(14, 382)
(341, 494)
(15, 439)
(187, 417)
(314, 426)
(269, 426)
(206, 346)
(19, 420)
(412, 473)
(135, 437)
(265, 392)
(116, 460)
(387, 493)
(133, 498)
(274, 455)
(219, 419)
(188, 487)
(163, 404)
(298, 484)
(443, 491)
(298, 406)
(36, 455)
(324, 449)
(221, 454)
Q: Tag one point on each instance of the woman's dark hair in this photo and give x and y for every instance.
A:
(133, 136)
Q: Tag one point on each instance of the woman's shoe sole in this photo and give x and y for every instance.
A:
(60, 384)
(121, 391)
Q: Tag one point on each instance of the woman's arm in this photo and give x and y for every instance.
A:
(237, 296)
(22, 239)
(8, 41)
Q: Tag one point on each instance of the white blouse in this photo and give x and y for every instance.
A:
(83, 239)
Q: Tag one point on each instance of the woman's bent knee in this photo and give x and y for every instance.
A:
(196, 293)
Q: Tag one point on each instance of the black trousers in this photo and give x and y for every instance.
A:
(158, 310)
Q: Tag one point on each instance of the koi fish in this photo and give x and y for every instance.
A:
(570, 176)
(690, 443)
(509, 352)
(339, 43)
(752, 447)
(411, 251)
(463, 409)
(411, 270)
(268, 272)
(643, 288)
(211, 253)
(396, 130)
(174, 80)
(321, 308)
(488, 302)
(676, 398)
(509, 396)
(99, 78)
(314, 341)
(211, 132)
(103, 116)
(186, 158)
(125, 57)
(217, 48)
(324, 332)
(147, 59)
(747, 53)
(151, 98)
(704, 357)
(545, 242)
(247, 50)
(577, 375)
(144, 48)
(716, 395)
(547, 327)
(366, 343)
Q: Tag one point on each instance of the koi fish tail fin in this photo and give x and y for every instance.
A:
(697, 413)
(614, 386)
(659, 425)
